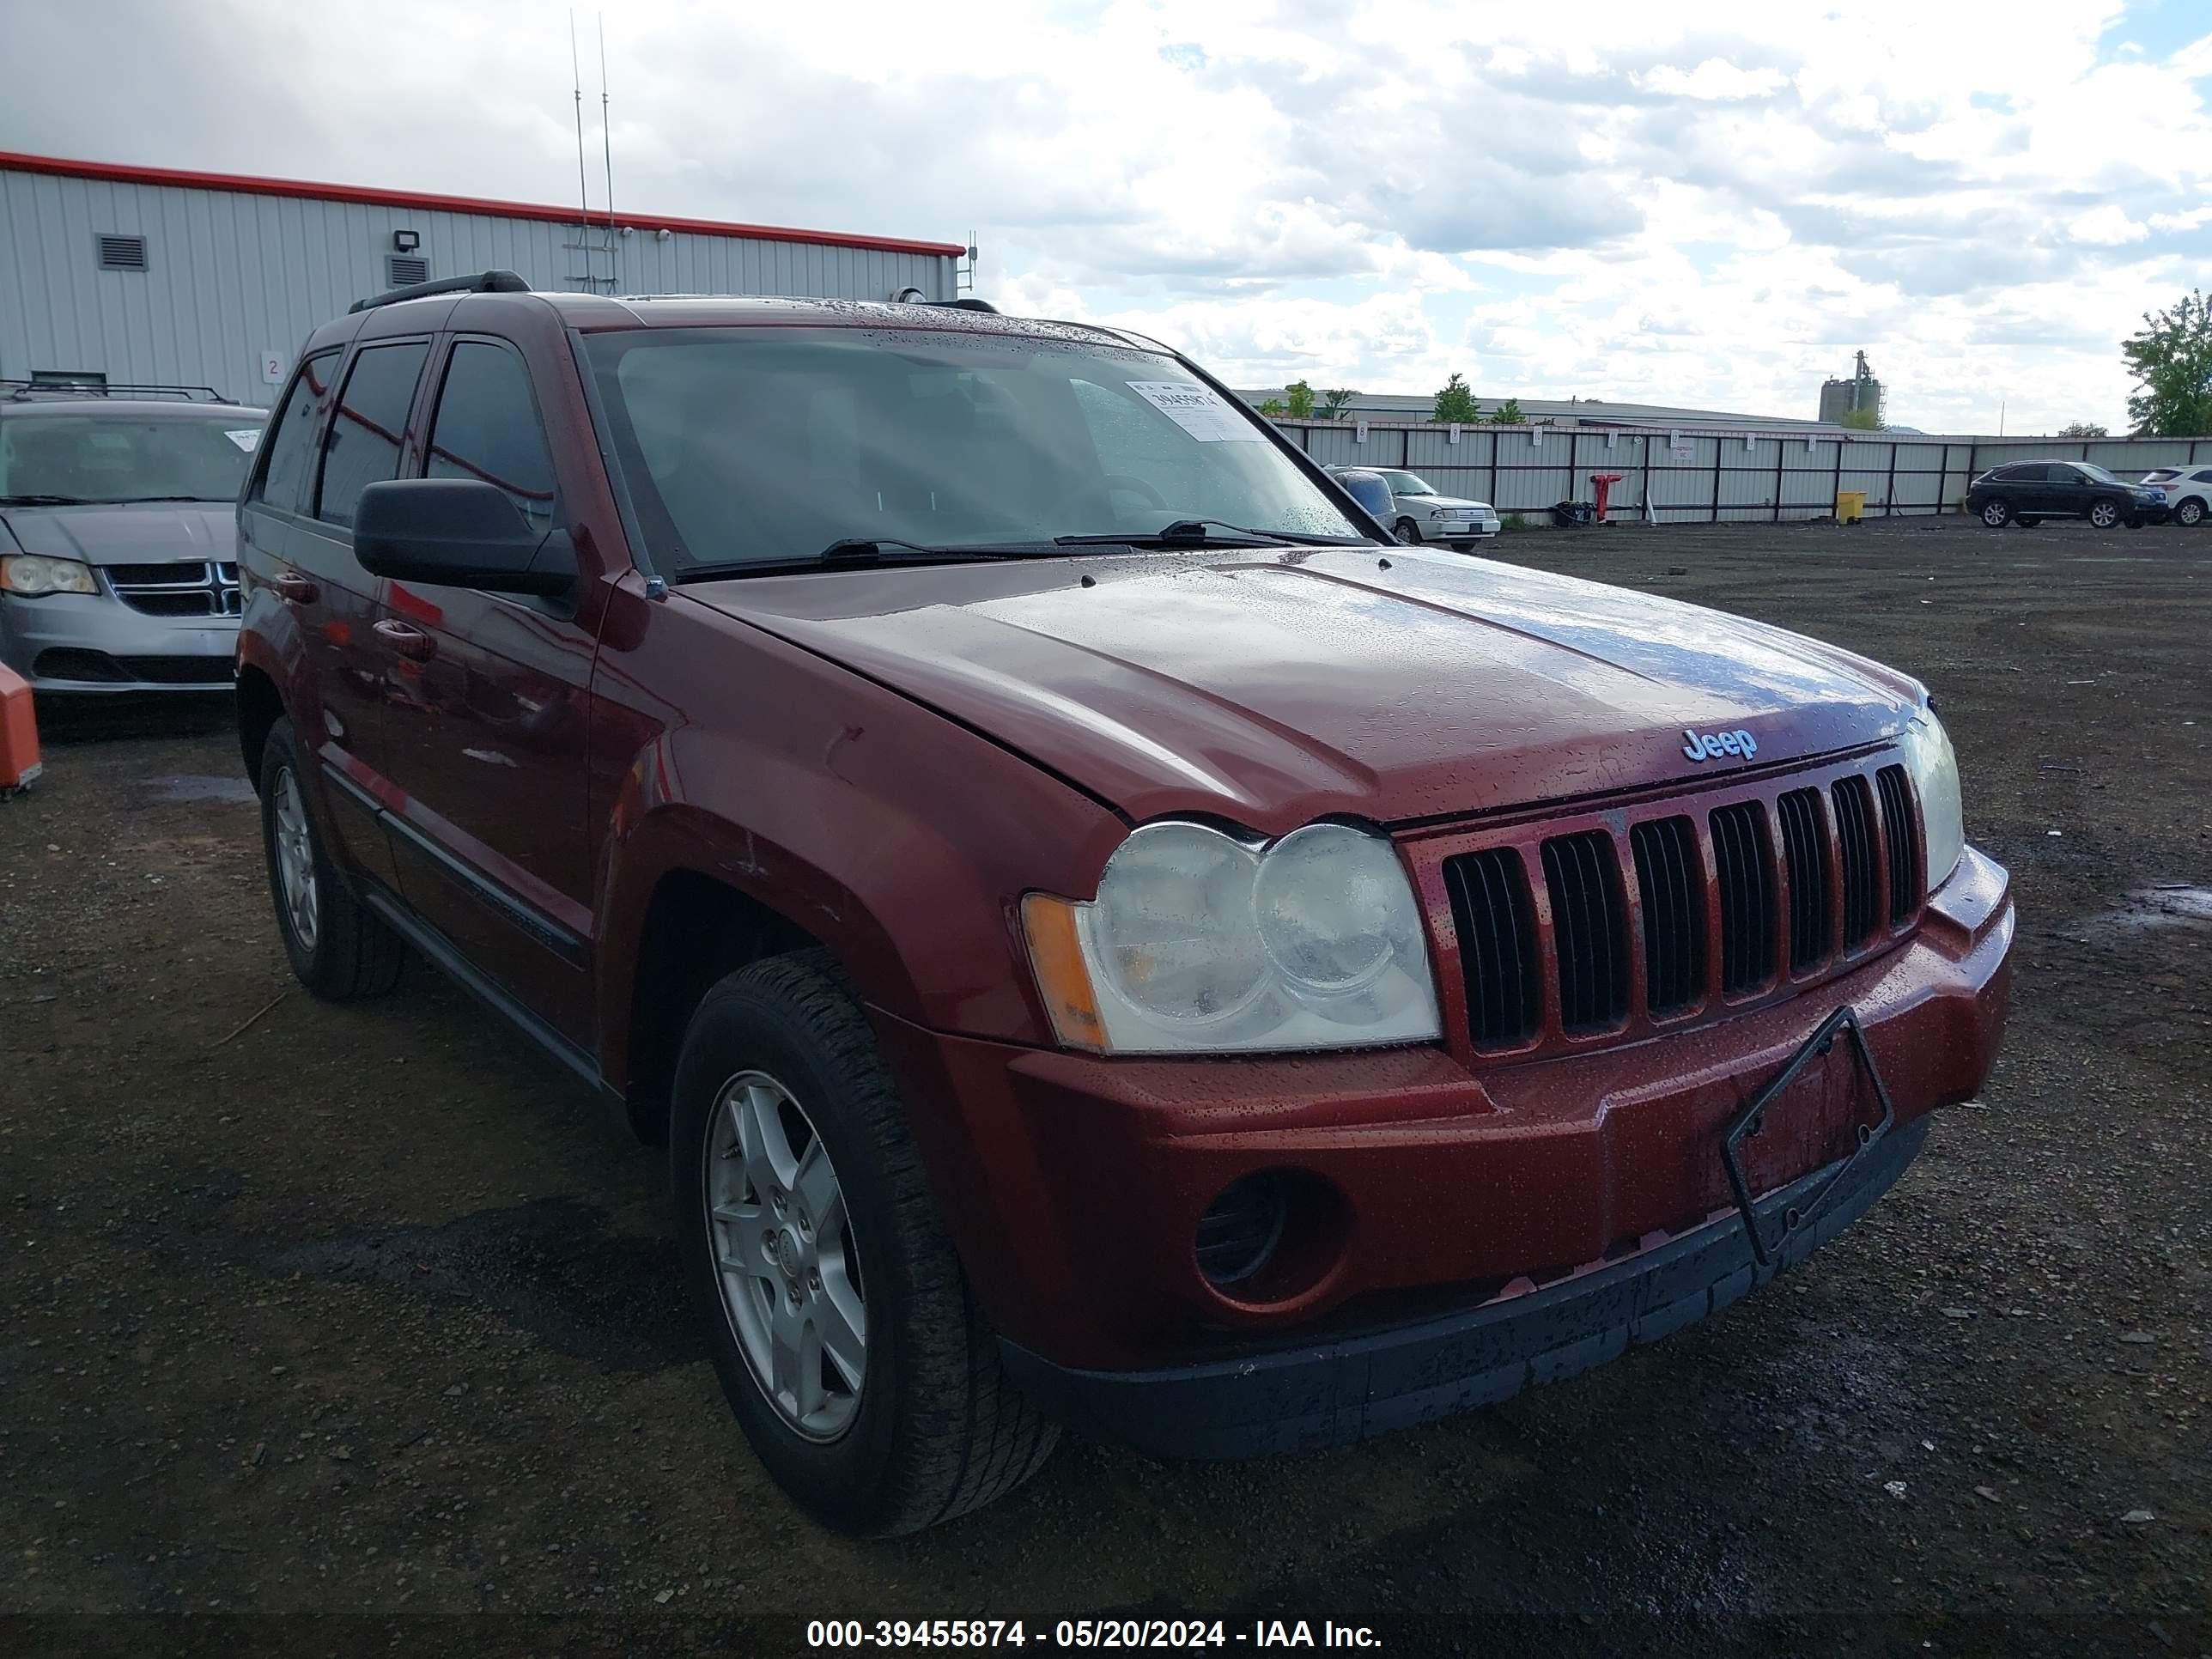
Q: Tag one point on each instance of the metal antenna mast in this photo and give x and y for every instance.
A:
(583, 194)
(607, 144)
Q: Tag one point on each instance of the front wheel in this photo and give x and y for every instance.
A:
(1409, 532)
(2103, 513)
(2190, 513)
(1997, 511)
(838, 1319)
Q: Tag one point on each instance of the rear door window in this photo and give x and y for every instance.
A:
(486, 427)
(290, 439)
(368, 427)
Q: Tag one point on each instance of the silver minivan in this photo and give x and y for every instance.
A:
(118, 552)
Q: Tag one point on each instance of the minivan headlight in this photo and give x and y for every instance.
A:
(1201, 943)
(30, 575)
(1934, 767)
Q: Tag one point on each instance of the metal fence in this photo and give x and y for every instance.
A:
(1709, 476)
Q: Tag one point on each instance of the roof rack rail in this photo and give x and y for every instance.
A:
(483, 282)
(45, 384)
(966, 302)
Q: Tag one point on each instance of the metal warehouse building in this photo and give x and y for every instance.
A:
(153, 275)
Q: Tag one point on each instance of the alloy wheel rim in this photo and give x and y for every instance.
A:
(296, 862)
(784, 1260)
(2103, 516)
(1993, 514)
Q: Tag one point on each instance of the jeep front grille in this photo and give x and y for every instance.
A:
(1589, 924)
(1497, 929)
(1671, 878)
(1723, 895)
(189, 588)
(1743, 866)
(1855, 827)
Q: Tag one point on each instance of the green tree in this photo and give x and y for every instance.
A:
(2172, 358)
(1273, 406)
(1860, 420)
(1302, 400)
(2082, 430)
(1509, 414)
(1455, 402)
(1335, 402)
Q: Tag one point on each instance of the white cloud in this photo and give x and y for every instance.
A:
(1710, 204)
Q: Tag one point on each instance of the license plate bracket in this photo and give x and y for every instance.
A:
(1844, 1021)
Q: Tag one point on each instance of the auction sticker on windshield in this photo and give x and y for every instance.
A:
(1197, 411)
(245, 436)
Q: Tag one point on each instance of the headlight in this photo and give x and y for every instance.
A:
(1935, 768)
(1199, 943)
(1435, 512)
(28, 575)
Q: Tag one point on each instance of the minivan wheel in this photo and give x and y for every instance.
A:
(1995, 512)
(2190, 513)
(338, 947)
(2103, 513)
(838, 1317)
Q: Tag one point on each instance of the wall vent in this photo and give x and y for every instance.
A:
(119, 252)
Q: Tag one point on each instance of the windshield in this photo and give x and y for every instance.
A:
(1406, 483)
(754, 445)
(2096, 472)
(123, 458)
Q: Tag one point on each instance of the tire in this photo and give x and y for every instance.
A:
(339, 949)
(2103, 513)
(1997, 511)
(1408, 533)
(934, 1429)
(2190, 513)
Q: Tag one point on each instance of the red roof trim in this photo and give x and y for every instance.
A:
(246, 183)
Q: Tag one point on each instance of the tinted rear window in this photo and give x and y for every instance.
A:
(368, 428)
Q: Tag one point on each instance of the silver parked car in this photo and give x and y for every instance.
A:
(1418, 513)
(119, 551)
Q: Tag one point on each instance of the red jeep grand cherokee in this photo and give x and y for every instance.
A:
(1105, 936)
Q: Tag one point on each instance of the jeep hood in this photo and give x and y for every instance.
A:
(127, 532)
(1273, 689)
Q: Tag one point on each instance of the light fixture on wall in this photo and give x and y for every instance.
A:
(405, 241)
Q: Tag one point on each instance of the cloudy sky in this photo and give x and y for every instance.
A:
(1692, 203)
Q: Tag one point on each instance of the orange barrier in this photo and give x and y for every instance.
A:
(19, 733)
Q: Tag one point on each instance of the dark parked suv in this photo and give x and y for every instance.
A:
(2026, 492)
(1103, 935)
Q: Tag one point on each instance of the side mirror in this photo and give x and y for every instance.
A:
(458, 532)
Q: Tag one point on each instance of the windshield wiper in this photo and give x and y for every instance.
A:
(122, 499)
(1193, 532)
(45, 500)
(860, 552)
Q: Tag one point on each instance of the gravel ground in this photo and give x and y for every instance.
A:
(332, 1326)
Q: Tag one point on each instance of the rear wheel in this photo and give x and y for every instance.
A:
(2190, 513)
(2104, 513)
(1997, 511)
(338, 947)
(838, 1319)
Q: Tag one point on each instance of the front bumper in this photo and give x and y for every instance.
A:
(1331, 1393)
(94, 643)
(1072, 1186)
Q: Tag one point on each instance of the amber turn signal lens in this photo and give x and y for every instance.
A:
(1056, 954)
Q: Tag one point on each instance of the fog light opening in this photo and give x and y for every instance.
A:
(1238, 1235)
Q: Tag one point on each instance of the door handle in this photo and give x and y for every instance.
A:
(294, 590)
(408, 641)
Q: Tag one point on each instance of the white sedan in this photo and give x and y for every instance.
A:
(1418, 513)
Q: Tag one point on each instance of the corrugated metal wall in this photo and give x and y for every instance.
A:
(1707, 477)
(230, 277)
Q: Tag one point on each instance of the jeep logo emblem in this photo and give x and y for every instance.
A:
(1711, 745)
